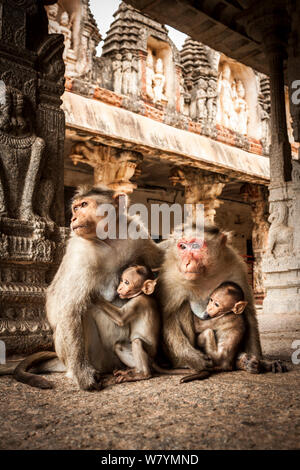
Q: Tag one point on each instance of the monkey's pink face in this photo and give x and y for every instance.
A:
(193, 256)
(84, 220)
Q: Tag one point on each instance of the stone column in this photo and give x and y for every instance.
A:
(201, 187)
(268, 22)
(31, 177)
(257, 196)
(112, 167)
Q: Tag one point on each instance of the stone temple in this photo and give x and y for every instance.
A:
(215, 123)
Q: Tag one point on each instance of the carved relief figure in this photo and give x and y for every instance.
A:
(53, 23)
(64, 29)
(241, 109)
(280, 235)
(117, 71)
(159, 81)
(81, 64)
(149, 75)
(21, 153)
(232, 108)
(201, 110)
(126, 70)
(226, 110)
(211, 102)
(134, 76)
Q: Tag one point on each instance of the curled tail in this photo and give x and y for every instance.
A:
(189, 374)
(21, 375)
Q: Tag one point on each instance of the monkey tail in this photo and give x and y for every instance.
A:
(193, 375)
(21, 375)
(204, 374)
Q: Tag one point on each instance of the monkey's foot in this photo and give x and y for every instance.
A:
(130, 375)
(273, 366)
(88, 378)
(249, 363)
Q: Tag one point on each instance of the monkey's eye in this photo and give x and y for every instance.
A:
(216, 304)
(196, 246)
(83, 204)
(182, 246)
(211, 300)
(126, 282)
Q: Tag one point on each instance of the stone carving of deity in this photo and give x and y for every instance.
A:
(201, 111)
(81, 64)
(159, 82)
(64, 29)
(211, 103)
(117, 71)
(53, 23)
(226, 111)
(134, 77)
(126, 70)
(149, 75)
(241, 109)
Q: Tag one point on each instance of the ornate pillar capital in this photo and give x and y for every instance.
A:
(201, 187)
(112, 167)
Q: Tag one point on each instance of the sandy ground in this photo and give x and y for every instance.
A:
(227, 411)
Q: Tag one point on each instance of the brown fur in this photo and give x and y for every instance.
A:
(86, 280)
(221, 263)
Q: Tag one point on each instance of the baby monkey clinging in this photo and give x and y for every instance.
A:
(221, 328)
(137, 284)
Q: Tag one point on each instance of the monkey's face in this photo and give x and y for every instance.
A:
(84, 220)
(131, 284)
(193, 256)
(219, 304)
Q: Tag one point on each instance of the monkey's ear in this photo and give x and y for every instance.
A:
(149, 286)
(239, 307)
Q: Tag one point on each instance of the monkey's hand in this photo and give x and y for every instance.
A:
(87, 377)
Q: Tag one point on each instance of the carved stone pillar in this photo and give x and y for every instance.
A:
(258, 197)
(268, 22)
(112, 167)
(31, 172)
(201, 187)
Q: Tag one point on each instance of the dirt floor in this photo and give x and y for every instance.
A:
(227, 411)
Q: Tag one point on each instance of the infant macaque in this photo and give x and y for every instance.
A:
(137, 284)
(221, 327)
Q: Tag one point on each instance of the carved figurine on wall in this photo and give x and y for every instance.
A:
(54, 27)
(21, 154)
(211, 102)
(149, 75)
(126, 71)
(280, 241)
(159, 81)
(201, 110)
(64, 29)
(117, 71)
(241, 109)
(225, 112)
(82, 64)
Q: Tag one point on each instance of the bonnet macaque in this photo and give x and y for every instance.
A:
(137, 283)
(221, 327)
(194, 266)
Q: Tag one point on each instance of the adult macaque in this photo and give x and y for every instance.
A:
(194, 265)
(86, 281)
(140, 312)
